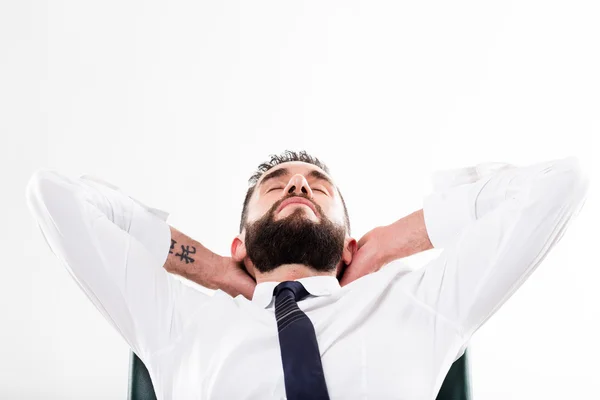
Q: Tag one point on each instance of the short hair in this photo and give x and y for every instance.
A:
(275, 160)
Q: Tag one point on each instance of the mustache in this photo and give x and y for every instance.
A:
(277, 204)
(293, 197)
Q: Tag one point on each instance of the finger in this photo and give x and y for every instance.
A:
(246, 285)
(345, 281)
(361, 242)
(238, 283)
(347, 278)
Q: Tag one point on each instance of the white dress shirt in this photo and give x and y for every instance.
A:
(392, 334)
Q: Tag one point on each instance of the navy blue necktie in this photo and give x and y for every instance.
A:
(302, 369)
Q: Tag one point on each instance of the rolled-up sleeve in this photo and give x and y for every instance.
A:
(115, 248)
(494, 230)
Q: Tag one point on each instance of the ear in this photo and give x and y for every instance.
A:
(350, 249)
(238, 249)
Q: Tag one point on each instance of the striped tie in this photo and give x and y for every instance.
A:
(302, 369)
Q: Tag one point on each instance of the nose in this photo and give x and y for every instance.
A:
(299, 186)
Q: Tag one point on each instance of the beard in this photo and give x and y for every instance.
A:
(295, 239)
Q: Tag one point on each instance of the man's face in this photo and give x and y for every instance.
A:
(312, 234)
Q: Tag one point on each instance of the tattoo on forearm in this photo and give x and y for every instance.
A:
(185, 252)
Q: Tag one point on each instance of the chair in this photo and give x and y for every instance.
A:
(140, 384)
(455, 386)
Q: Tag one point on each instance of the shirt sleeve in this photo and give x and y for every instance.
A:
(115, 248)
(495, 230)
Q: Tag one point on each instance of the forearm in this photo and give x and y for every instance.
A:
(407, 236)
(190, 259)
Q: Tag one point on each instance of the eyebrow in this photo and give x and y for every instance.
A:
(284, 172)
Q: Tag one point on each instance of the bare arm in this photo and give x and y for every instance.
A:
(190, 259)
(407, 236)
(384, 244)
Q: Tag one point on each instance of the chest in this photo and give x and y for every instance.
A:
(365, 355)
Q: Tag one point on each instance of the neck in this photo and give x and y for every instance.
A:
(289, 272)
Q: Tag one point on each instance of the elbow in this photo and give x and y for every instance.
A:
(38, 184)
(568, 182)
(577, 181)
(43, 189)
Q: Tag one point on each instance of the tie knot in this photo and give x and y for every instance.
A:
(294, 286)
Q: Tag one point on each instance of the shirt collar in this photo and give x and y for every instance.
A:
(319, 285)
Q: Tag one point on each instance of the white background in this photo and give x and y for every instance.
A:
(178, 103)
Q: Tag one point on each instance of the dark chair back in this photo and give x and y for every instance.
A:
(140, 384)
(456, 385)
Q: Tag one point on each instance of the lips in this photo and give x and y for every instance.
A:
(300, 200)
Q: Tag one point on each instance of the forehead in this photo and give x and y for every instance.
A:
(293, 168)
